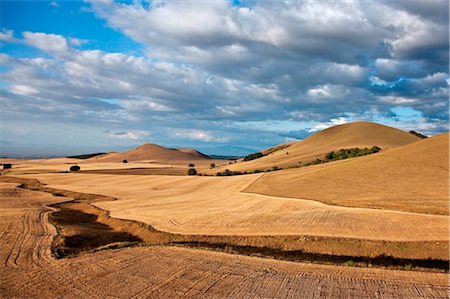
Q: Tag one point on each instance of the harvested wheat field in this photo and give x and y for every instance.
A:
(413, 178)
(216, 206)
(29, 270)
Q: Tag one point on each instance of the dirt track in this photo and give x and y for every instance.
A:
(28, 270)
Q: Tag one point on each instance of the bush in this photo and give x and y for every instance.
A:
(228, 172)
(256, 171)
(7, 166)
(191, 165)
(74, 168)
(275, 168)
(350, 153)
(192, 171)
(253, 156)
(124, 161)
(212, 165)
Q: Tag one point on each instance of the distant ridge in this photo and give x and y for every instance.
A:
(152, 152)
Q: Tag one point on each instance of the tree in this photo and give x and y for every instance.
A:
(253, 156)
(74, 168)
(212, 165)
(7, 166)
(191, 165)
(124, 161)
(192, 171)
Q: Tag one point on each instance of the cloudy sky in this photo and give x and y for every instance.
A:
(221, 76)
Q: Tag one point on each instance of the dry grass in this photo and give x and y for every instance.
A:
(28, 270)
(412, 178)
(357, 134)
(216, 206)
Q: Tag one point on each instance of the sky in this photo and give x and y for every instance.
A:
(224, 77)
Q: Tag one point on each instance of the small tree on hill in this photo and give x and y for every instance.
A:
(124, 161)
(212, 165)
(74, 168)
(191, 165)
(7, 166)
(192, 171)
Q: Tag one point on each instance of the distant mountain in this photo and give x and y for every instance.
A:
(153, 152)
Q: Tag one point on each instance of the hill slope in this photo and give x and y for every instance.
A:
(357, 134)
(152, 152)
(412, 178)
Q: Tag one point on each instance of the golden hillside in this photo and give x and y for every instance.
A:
(412, 178)
(152, 152)
(357, 134)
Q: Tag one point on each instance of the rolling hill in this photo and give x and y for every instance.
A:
(357, 134)
(152, 152)
(414, 178)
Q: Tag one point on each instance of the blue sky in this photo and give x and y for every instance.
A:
(221, 76)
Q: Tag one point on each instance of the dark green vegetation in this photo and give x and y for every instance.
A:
(212, 165)
(228, 172)
(74, 168)
(350, 153)
(345, 154)
(191, 165)
(253, 156)
(85, 156)
(192, 171)
(331, 156)
(7, 166)
(125, 161)
(418, 134)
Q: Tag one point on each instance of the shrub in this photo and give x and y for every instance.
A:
(253, 156)
(256, 171)
(124, 161)
(74, 168)
(192, 171)
(275, 168)
(212, 165)
(191, 165)
(7, 166)
(375, 149)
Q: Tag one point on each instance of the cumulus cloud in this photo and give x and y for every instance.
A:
(130, 135)
(208, 66)
(51, 43)
(199, 135)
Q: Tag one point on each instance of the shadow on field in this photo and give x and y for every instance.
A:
(88, 234)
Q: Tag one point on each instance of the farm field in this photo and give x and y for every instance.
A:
(216, 206)
(28, 269)
(376, 224)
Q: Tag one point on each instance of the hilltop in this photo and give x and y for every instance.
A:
(152, 152)
(357, 134)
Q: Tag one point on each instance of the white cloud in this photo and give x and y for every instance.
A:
(24, 90)
(200, 135)
(131, 135)
(52, 43)
(6, 35)
(332, 122)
